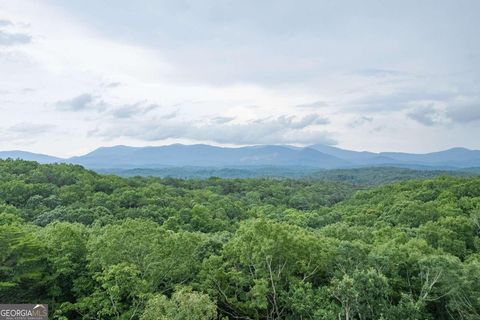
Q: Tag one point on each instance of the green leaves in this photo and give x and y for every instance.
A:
(161, 256)
(184, 304)
(363, 294)
(120, 294)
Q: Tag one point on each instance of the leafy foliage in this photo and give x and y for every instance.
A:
(103, 247)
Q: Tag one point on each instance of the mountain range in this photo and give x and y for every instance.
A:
(201, 155)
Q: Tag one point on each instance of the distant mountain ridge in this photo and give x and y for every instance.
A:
(202, 155)
(451, 158)
(206, 155)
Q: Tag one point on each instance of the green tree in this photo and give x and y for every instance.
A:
(22, 264)
(253, 276)
(184, 304)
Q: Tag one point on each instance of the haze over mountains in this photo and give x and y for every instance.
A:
(200, 155)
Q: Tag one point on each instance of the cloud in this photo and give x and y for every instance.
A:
(171, 115)
(464, 112)
(248, 42)
(87, 101)
(399, 100)
(10, 39)
(78, 103)
(126, 111)
(283, 129)
(360, 121)
(4, 23)
(293, 122)
(425, 115)
(130, 110)
(29, 129)
(25, 133)
(313, 105)
(378, 73)
(113, 84)
(222, 120)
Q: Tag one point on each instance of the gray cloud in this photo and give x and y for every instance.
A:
(4, 23)
(464, 112)
(126, 111)
(222, 120)
(78, 103)
(87, 101)
(171, 115)
(293, 122)
(360, 121)
(425, 115)
(313, 105)
(283, 129)
(112, 84)
(249, 42)
(9, 39)
(130, 110)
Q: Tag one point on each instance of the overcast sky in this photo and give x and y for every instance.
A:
(365, 75)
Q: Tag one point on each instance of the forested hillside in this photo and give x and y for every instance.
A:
(363, 176)
(104, 247)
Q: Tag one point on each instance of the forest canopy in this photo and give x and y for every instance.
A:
(96, 246)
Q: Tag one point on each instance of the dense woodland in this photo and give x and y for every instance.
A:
(98, 246)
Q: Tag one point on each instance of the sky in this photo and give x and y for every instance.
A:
(364, 75)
